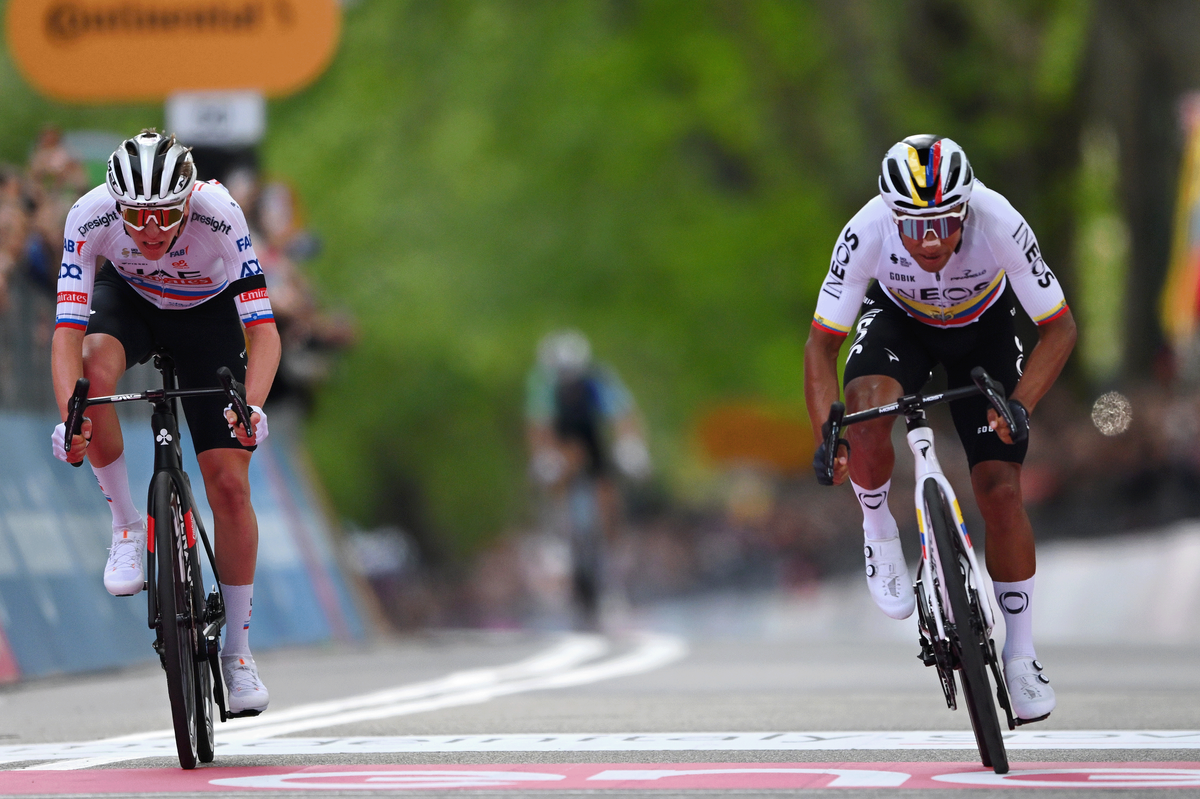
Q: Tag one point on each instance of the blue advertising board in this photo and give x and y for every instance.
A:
(55, 528)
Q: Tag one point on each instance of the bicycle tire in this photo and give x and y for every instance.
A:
(968, 634)
(176, 615)
(205, 733)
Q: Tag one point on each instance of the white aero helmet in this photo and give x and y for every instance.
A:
(925, 174)
(150, 170)
(565, 352)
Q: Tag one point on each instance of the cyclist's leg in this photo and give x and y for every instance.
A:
(992, 343)
(885, 361)
(117, 336)
(996, 481)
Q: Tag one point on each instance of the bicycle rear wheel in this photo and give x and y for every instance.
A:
(177, 614)
(968, 634)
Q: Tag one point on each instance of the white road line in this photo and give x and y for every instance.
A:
(554, 668)
(652, 652)
(900, 742)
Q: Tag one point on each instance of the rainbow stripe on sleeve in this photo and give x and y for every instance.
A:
(821, 323)
(1052, 314)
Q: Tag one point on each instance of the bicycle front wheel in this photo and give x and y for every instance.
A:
(968, 633)
(177, 613)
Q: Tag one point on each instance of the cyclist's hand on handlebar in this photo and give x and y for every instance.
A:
(258, 419)
(79, 443)
(1020, 418)
(841, 464)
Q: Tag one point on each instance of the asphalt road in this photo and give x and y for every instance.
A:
(456, 699)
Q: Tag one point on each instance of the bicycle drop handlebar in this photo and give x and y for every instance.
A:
(985, 384)
(234, 391)
(75, 408)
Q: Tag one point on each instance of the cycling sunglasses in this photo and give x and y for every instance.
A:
(167, 216)
(943, 226)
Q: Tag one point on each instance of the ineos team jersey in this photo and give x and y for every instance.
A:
(213, 251)
(997, 247)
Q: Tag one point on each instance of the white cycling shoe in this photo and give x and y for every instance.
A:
(247, 696)
(1028, 688)
(888, 579)
(123, 575)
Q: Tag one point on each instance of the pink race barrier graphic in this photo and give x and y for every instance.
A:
(528, 777)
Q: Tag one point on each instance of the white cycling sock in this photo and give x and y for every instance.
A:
(878, 522)
(114, 482)
(1016, 603)
(239, 602)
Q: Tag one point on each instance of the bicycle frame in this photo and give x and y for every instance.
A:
(168, 464)
(920, 441)
(934, 606)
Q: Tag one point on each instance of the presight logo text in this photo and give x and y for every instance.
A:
(217, 225)
(101, 221)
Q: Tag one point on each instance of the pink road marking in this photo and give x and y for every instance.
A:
(526, 777)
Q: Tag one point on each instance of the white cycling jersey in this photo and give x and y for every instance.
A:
(212, 251)
(997, 247)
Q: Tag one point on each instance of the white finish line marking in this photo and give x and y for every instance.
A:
(100, 752)
(563, 665)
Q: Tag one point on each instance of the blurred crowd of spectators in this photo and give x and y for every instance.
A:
(34, 202)
(310, 332)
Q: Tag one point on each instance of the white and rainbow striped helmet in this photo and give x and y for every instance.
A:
(925, 174)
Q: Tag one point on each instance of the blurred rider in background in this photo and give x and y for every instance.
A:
(581, 422)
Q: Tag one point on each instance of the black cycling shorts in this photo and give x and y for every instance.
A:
(887, 341)
(200, 339)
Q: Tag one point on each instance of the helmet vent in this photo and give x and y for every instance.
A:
(955, 169)
(897, 178)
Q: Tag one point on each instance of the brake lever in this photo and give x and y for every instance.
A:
(76, 405)
(996, 396)
(836, 413)
(237, 397)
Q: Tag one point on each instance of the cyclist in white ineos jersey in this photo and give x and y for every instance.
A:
(929, 264)
(153, 259)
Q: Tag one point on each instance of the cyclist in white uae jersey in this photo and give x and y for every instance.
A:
(942, 250)
(154, 260)
(212, 251)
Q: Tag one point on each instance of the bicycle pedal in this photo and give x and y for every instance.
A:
(1019, 722)
(243, 714)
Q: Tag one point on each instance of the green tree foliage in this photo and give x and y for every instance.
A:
(667, 176)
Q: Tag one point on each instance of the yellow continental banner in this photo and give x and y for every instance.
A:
(136, 50)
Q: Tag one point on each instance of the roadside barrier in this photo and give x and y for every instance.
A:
(55, 529)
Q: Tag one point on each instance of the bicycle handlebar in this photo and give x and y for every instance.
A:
(984, 384)
(76, 405)
(236, 393)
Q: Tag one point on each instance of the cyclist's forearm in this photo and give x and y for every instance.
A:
(66, 364)
(820, 376)
(263, 354)
(1055, 341)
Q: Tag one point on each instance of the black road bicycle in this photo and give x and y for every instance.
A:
(187, 625)
(955, 617)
